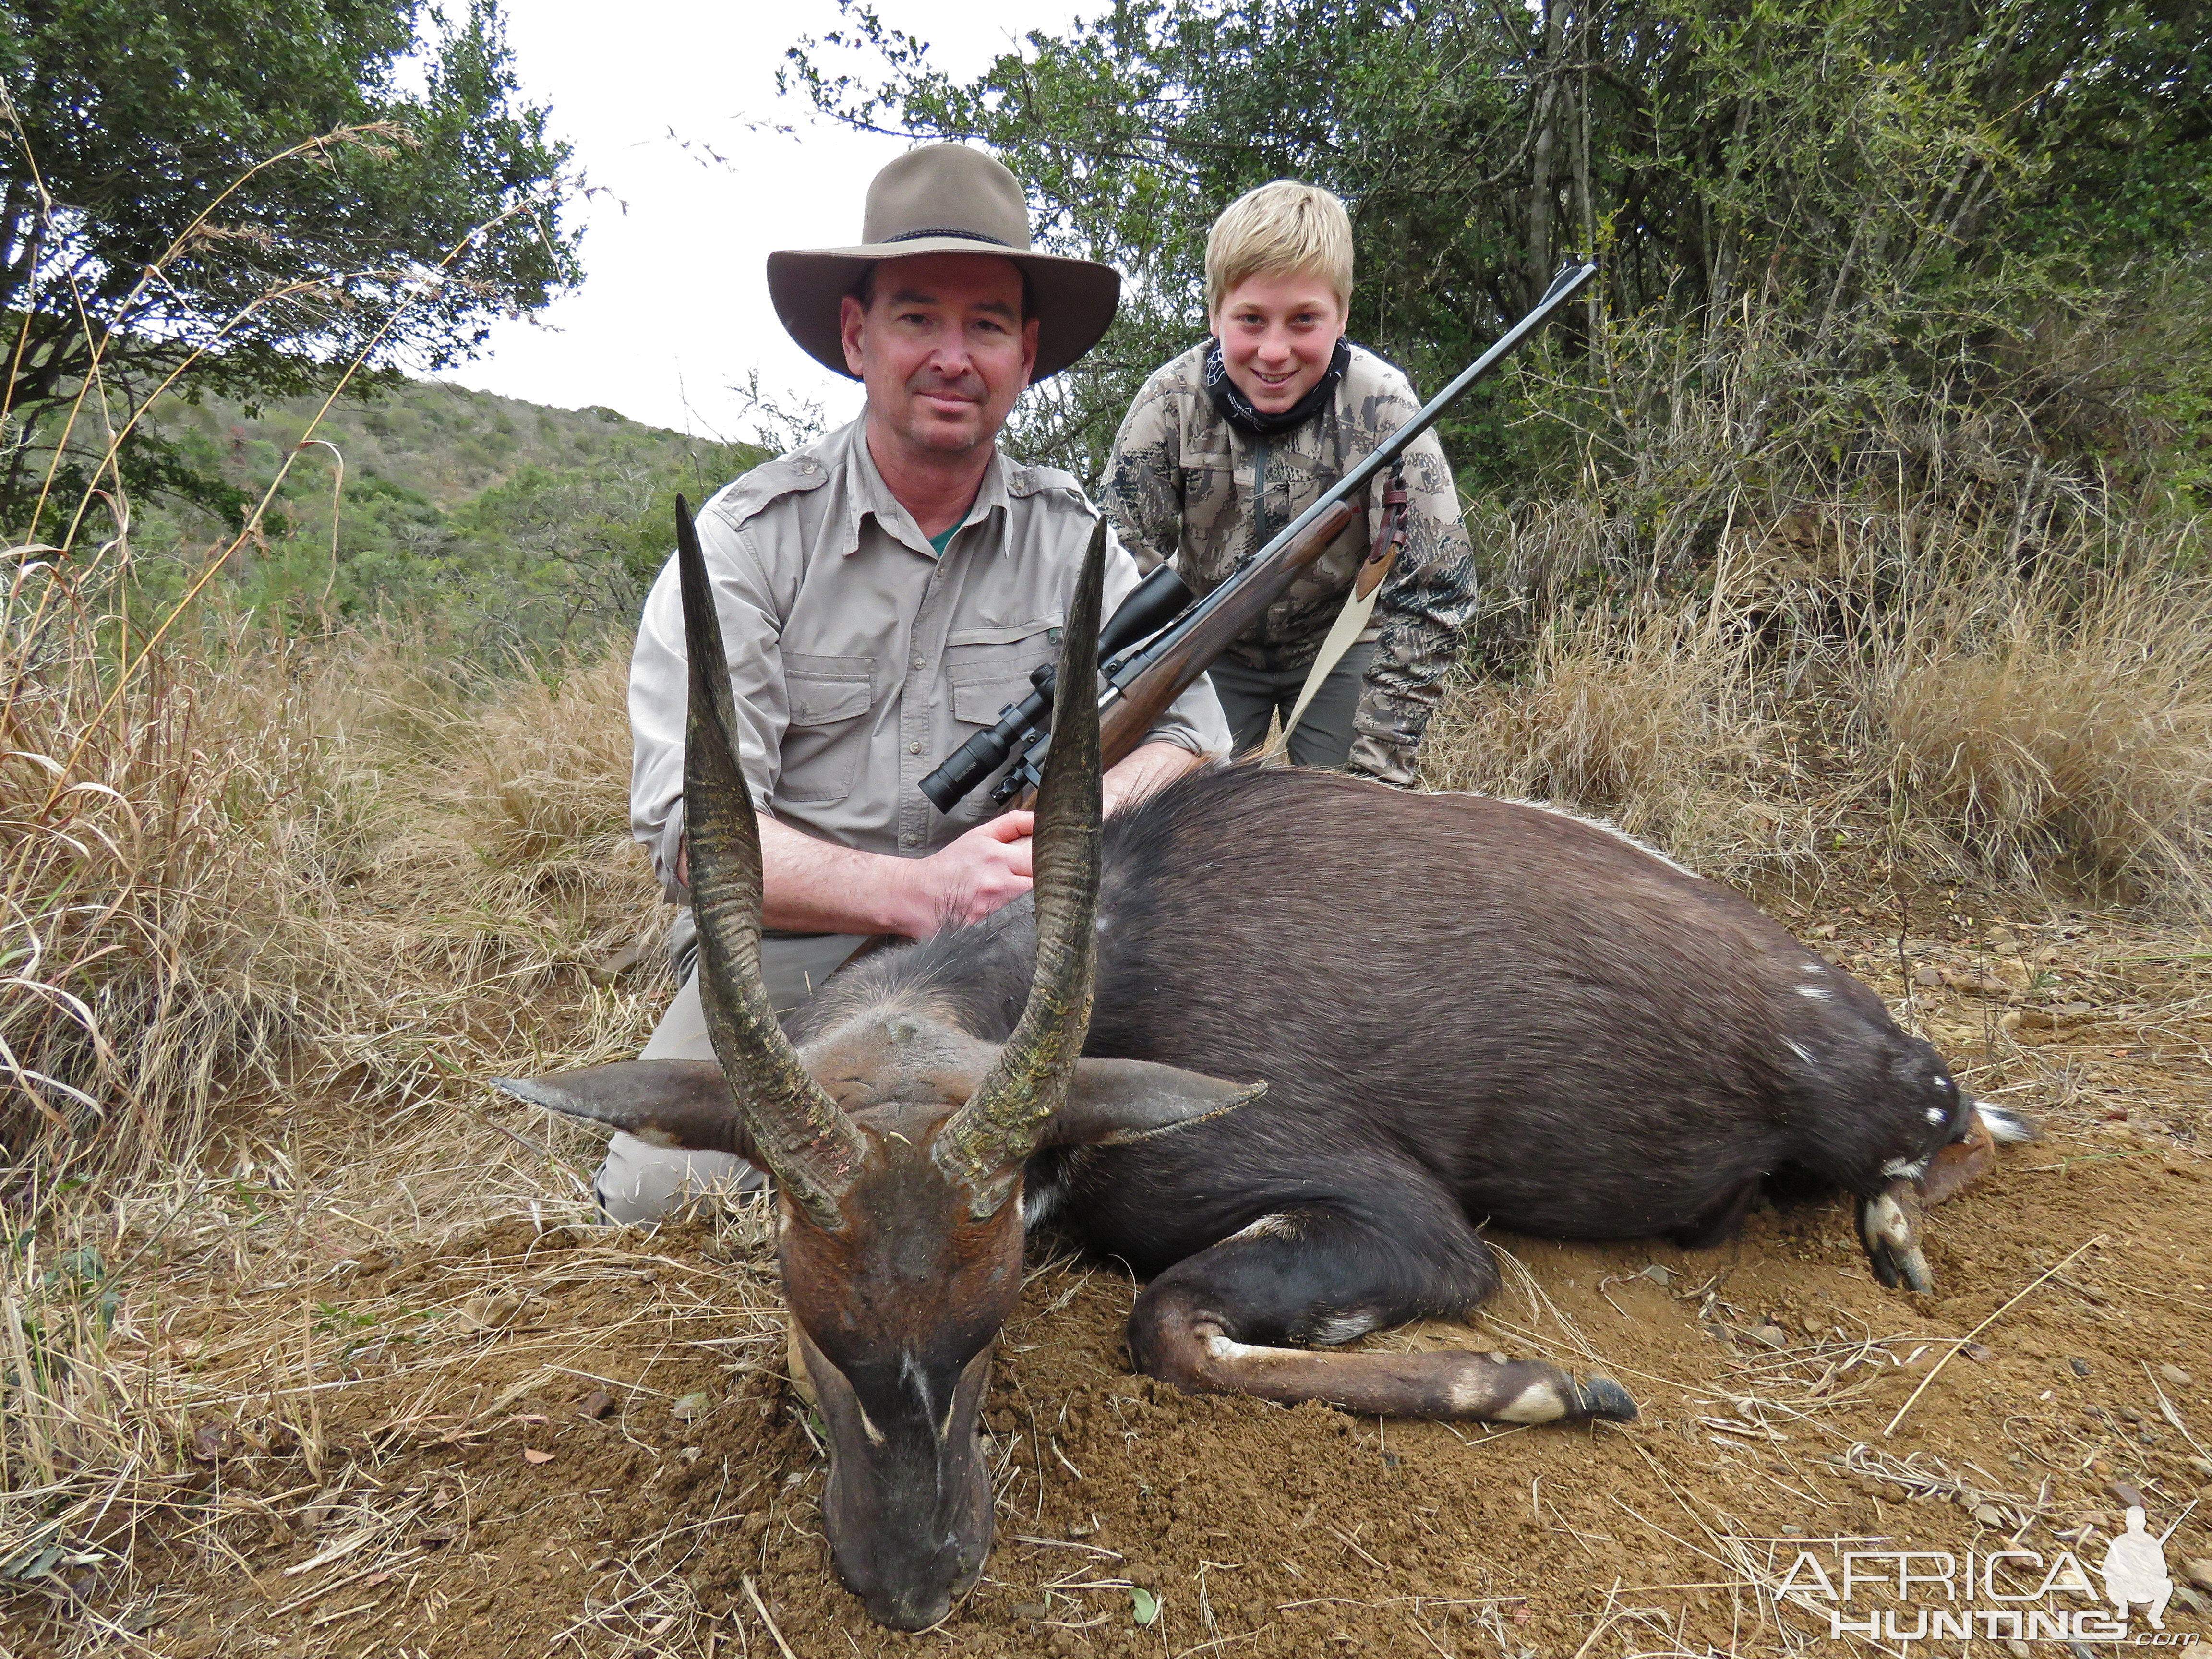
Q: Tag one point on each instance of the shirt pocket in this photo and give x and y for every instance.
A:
(824, 739)
(987, 668)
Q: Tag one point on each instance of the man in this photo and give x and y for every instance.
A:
(1229, 442)
(884, 591)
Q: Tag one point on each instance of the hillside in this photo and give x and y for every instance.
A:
(496, 524)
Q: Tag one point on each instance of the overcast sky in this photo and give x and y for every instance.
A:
(674, 309)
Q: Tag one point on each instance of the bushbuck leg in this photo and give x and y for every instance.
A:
(1975, 1154)
(1889, 1222)
(1889, 1227)
(1720, 1221)
(1958, 1164)
(1215, 1323)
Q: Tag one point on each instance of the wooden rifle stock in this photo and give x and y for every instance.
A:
(1123, 725)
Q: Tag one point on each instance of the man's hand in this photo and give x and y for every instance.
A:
(813, 887)
(1142, 770)
(965, 880)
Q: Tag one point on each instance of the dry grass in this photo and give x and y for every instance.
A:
(150, 931)
(303, 902)
(2046, 727)
(1788, 626)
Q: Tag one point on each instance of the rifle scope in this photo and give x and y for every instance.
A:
(1152, 604)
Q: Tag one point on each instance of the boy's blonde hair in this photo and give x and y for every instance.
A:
(1277, 230)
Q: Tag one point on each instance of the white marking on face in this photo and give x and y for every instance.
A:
(913, 1376)
(2002, 1125)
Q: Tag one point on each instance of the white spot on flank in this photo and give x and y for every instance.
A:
(1267, 1226)
(1937, 1114)
(1810, 968)
(1905, 1169)
(1819, 993)
(1798, 1049)
(868, 1424)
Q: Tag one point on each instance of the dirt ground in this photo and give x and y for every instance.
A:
(531, 1439)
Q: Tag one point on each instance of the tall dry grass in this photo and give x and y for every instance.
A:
(311, 897)
(2048, 730)
(1788, 629)
(268, 911)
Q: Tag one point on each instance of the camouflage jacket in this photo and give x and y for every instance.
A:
(1185, 485)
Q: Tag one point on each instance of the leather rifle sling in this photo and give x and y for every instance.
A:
(1360, 602)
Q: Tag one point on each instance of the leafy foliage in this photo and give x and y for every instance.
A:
(246, 189)
(1907, 190)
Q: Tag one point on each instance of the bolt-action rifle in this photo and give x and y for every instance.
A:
(1159, 639)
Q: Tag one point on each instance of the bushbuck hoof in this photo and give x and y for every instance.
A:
(1889, 1227)
(1600, 1398)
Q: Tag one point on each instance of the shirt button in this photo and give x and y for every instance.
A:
(920, 663)
(914, 748)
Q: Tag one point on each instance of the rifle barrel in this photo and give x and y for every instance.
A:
(1569, 283)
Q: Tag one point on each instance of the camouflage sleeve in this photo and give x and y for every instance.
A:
(1142, 489)
(1425, 611)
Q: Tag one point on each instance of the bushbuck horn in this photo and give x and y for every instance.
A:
(984, 1143)
(802, 1136)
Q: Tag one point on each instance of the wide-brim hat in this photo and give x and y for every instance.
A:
(945, 199)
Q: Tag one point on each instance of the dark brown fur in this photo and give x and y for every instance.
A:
(1453, 1000)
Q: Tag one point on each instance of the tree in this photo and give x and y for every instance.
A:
(248, 196)
(1898, 186)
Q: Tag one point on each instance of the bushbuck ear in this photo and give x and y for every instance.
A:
(1111, 1102)
(664, 1103)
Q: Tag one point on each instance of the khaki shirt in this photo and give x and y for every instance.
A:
(858, 658)
(1185, 486)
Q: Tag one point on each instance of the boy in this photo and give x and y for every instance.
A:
(1229, 442)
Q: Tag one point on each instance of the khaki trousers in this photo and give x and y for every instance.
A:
(639, 1183)
(1252, 699)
